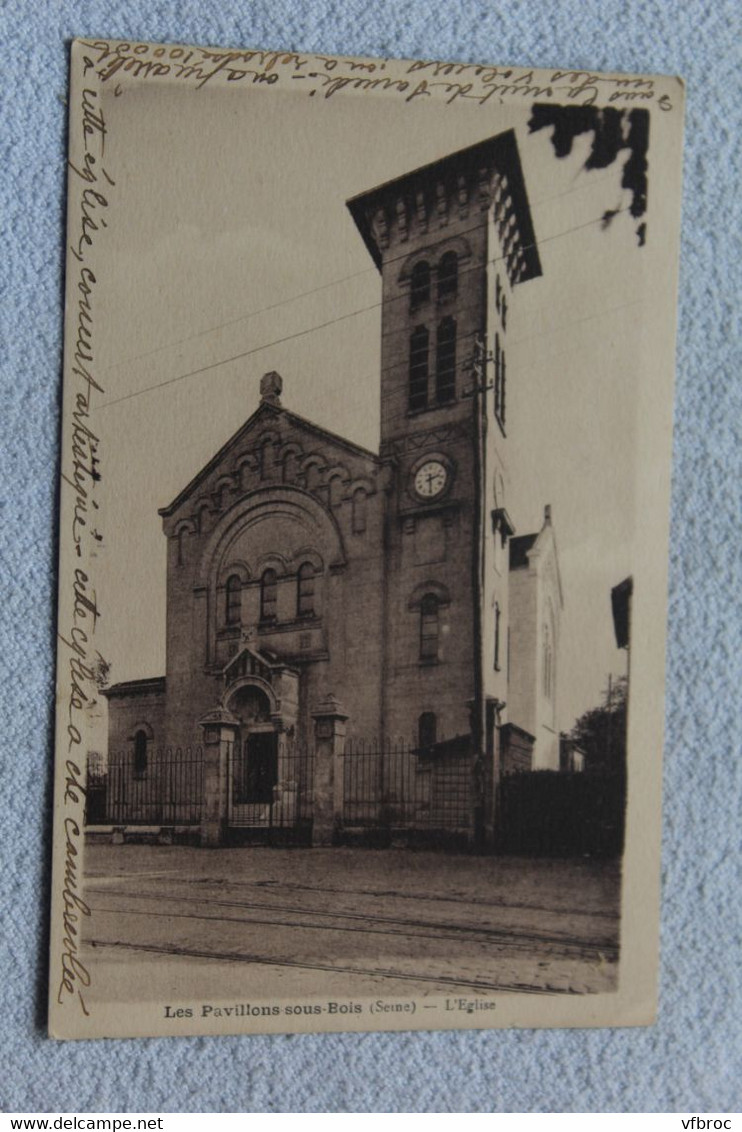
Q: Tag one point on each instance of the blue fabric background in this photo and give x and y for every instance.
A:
(691, 1059)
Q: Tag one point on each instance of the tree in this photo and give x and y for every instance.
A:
(601, 731)
(614, 131)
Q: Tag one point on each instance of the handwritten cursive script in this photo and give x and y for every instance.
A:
(90, 186)
(75, 975)
(326, 76)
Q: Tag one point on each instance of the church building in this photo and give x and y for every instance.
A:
(359, 637)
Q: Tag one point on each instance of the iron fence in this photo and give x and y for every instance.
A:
(96, 787)
(270, 791)
(398, 786)
(385, 787)
(167, 791)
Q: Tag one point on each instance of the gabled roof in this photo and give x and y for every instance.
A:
(253, 660)
(265, 411)
(522, 546)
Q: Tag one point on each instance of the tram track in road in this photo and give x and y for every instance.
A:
(332, 968)
(372, 893)
(428, 897)
(361, 923)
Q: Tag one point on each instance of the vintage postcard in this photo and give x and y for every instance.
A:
(364, 530)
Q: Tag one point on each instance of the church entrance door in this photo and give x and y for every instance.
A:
(258, 768)
(254, 771)
(270, 778)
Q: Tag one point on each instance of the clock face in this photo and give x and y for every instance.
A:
(431, 479)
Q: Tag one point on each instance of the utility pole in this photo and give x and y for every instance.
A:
(478, 367)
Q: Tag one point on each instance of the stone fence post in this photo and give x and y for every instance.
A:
(329, 733)
(220, 733)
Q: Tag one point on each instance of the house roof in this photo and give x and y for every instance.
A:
(509, 728)
(146, 686)
(521, 547)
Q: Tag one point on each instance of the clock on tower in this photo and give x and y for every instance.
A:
(451, 240)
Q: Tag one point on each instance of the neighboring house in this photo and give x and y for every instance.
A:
(535, 611)
(315, 587)
(571, 756)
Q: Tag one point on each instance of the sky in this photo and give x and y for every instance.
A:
(229, 252)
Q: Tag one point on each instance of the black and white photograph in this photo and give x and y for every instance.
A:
(364, 535)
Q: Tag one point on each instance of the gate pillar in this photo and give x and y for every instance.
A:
(329, 734)
(220, 729)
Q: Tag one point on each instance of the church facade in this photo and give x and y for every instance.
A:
(323, 596)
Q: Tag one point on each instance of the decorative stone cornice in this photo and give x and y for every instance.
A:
(422, 440)
(484, 176)
(218, 717)
(329, 708)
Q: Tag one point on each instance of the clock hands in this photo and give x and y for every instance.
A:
(430, 480)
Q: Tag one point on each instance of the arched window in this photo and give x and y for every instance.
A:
(181, 545)
(445, 361)
(337, 489)
(418, 394)
(313, 476)
(547, 663)
(359, 511)
(429, 627)
(290, 467)
(498, 614)
(499, 381)
(427, 726)
(448, 276)
(419, 285)
(265, 458)
(233, 600)
(305, 591)
(268, 595)
(140, 754)
(503, 387)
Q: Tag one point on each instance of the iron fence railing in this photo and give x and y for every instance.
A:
(276, 796)
(167, 791)
(401, 786)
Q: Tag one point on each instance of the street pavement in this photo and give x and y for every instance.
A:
(175, 923)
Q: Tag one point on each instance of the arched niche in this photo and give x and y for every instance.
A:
(252, 700)
(274, 528)
(313, 523)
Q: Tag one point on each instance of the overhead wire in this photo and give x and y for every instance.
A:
(321, 326)
(314, 290)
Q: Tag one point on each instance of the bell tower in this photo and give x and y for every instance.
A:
(451, 241)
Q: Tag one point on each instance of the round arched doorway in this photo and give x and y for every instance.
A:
(256, 748)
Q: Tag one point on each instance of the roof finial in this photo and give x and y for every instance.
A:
(271, 385)
(547, 515)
